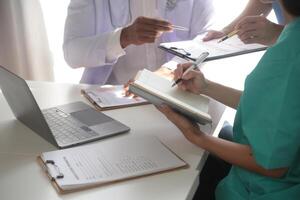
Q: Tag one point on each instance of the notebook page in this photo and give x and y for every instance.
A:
(112, 160)
(163, 88)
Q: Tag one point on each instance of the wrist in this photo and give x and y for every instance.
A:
(206, 87)
(277, 29)
(124, 38)
(228, 29)
(200, 140)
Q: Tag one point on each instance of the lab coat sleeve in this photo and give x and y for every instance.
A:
(83, 46)
(202, 17)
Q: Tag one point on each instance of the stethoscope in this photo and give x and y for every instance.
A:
(170, 5)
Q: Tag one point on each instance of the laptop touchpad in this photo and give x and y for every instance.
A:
(91, 117)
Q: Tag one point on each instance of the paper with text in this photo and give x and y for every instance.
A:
(216, 50)
(111, 160)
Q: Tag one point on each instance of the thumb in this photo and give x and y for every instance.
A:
(190, 75)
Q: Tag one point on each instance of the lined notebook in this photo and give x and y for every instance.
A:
(158, 90)
(111, 97)
(108, 161)
(192, 49)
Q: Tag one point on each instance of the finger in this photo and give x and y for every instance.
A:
(151, 28)
(182, 86)
(178, 72)
(247, 28)
(183, 123)
(156, 28)
(190, 75)
(213, 35)
(148, 33)
(155, 21)
(127, 93)
(250, 35)
(156, 24)
(208, 36)
(247, 20)
(185, 66)
(146, 39)
(252, 40)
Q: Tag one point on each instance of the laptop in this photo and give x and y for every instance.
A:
(63, 126)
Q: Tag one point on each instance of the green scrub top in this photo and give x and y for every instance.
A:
(268, 120)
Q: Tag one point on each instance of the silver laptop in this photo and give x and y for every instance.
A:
(63, 126)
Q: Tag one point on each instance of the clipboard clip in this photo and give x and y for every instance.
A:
(59, 175)
(181, 49)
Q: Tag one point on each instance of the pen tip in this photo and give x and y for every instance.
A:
(173, 84)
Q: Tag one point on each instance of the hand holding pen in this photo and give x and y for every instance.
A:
(229, 35)
(193, 66)
(194, 81)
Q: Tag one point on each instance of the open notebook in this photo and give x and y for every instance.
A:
(111, 97)
(191, 49)
(108, 161)
(158, 90)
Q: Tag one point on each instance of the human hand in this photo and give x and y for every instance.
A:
(258, 29)
(165, 72)
(194, 81)
(212, 34)
(127, 93)
(190, 129)
(144, 30)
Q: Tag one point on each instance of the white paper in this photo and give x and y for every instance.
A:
(163, 88)
(109, 96)
(196, 46)
(111, 160)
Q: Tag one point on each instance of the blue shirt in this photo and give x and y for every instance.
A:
(278, 12)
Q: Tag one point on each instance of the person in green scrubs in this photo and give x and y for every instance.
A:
(265, 151)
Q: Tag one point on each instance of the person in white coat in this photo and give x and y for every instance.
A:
(113, 39)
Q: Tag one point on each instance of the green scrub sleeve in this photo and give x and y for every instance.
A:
(275, 140)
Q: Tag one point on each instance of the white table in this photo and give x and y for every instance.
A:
(22, 178)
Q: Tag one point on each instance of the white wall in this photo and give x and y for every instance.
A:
(55, 12)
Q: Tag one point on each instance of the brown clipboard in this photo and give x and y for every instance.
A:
(62, 191)
(98, 107)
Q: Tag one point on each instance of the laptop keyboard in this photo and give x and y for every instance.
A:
(65, 128)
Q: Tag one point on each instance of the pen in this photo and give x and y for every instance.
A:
(180, 28)
(195, 65)
(228, 35)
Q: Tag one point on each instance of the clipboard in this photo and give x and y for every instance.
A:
(191, 49)
(56, 174)
(114, 100)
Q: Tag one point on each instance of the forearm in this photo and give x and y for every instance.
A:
(98, 50)
(85, 51)
(254, 7)
(84, 45)
(226, 95)
(236, 154)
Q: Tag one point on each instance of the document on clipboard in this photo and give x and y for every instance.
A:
(111, 97)
(191, 49)
(107, 162)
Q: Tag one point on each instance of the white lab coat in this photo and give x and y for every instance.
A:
(92, 35)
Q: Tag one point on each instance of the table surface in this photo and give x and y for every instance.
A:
(23, 178)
